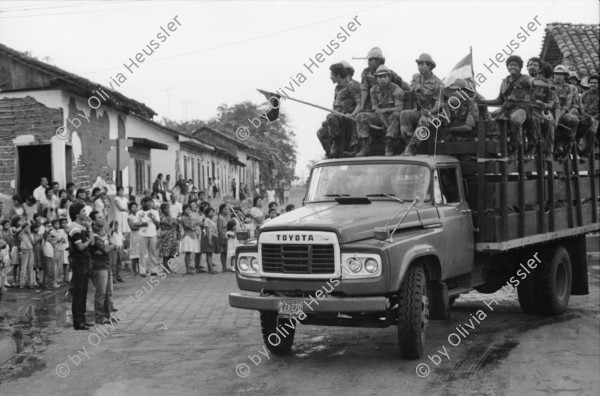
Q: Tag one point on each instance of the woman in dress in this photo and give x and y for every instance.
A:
(134, 238)
(189, 242)
(121, 211)
(169, 237)
(17, 209)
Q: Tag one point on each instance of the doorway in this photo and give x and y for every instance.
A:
(34, 162)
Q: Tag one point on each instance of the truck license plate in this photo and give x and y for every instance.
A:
(290, 307)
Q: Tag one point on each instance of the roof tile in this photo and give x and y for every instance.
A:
(577, 45)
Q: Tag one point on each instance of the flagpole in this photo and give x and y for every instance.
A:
(472, 71)
(312, 104)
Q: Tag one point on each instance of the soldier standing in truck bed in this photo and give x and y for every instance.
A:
(463, 110)
(338, 131)
(588, 126)
(386, 99)
(542, 102)
(514, 97)
(427, 88)
(565, 122)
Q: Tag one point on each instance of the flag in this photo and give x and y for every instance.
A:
(274, 103)
(464, 70)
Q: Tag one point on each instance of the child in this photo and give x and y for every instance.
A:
(59, 239)
(208, 243)
(4, 265)
(15, 258)
(232, 243)
(8, 239)
(116, 238)
(48, 242)
(38, 254)
(26, 274)
(189, 242)
(64, 247)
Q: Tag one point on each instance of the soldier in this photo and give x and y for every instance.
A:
(575, 81)
(356, 85)
(565, 122)
(338, 129)
(464, 113)
(428, 89)
(588, 127)
(515, 100)
(542, 102)
(386, 99)
(368, 80)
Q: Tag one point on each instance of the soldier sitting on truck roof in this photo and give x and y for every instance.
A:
(386, 99)
(515, 100)
(542, 102)
(339, 129)
(428, 89)
(462, 110)
(565, 122)
(353, 144)
(588, 124)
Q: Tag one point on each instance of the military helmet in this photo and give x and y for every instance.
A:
(347, 65)
(426, 58)
(560, 69)
(458, 84)
(381, 70)
(375, 53)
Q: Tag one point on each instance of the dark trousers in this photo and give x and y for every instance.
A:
(81, 269)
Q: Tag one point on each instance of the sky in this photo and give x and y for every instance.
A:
(220, 52)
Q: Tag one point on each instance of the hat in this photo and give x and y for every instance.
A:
(426, 58)
(381, 70)
(458, 84)
(573, 73)
(560, 69)
(375, 53)
(347, 65)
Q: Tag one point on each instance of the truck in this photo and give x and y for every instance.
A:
(394, 240)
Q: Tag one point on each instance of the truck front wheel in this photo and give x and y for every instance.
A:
(412, 313)
(554, 282)
(278, 341)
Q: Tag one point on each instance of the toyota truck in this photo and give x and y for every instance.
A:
(394, 240)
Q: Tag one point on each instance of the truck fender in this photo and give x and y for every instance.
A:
(431, 262)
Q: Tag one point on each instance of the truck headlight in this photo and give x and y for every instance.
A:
(244, 264)
(371, 265)
(360, 265)
(254, 264)
(354, 264)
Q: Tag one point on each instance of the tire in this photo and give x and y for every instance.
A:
(529, 298)
(413, 313)
(554, 282)
(268, 324)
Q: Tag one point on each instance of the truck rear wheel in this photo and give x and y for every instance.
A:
(554, 282)
(413, 313)
(277, 342)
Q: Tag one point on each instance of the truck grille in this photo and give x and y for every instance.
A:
(298, 259)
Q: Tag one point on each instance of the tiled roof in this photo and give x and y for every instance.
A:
(73, 80)
(573, 45)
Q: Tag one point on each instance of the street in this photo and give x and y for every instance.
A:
(182, 337)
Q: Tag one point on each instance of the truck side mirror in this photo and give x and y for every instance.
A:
(242, 234)
(381, 233)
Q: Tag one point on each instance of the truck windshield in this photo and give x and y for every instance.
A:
(404, 181)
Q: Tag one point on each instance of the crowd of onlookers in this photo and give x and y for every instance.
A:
(67, 236)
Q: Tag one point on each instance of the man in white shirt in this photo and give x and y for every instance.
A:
(40, 193)
(175, 207)
(150, 220)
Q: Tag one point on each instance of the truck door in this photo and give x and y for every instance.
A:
(455, 216)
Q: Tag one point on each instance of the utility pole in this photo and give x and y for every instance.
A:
(168, 91)
(185, 104)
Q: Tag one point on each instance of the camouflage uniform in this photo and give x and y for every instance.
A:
(541, 125)
(465, 114)
(369, 80)
(339, 128)
(588, 124)
(567, 124)
(428, 93)
(385, 98)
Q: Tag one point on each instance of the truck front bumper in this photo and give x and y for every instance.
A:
(311, 305)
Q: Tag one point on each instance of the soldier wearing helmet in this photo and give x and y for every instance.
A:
(565, 122)
(515, 99)
(588, 126)
(353, 143)
(542, 102)
(427, 89)
(336, 131)
(375, 59)
(463, 109)
(386, 99)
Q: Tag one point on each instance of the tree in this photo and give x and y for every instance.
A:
(273, 141)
